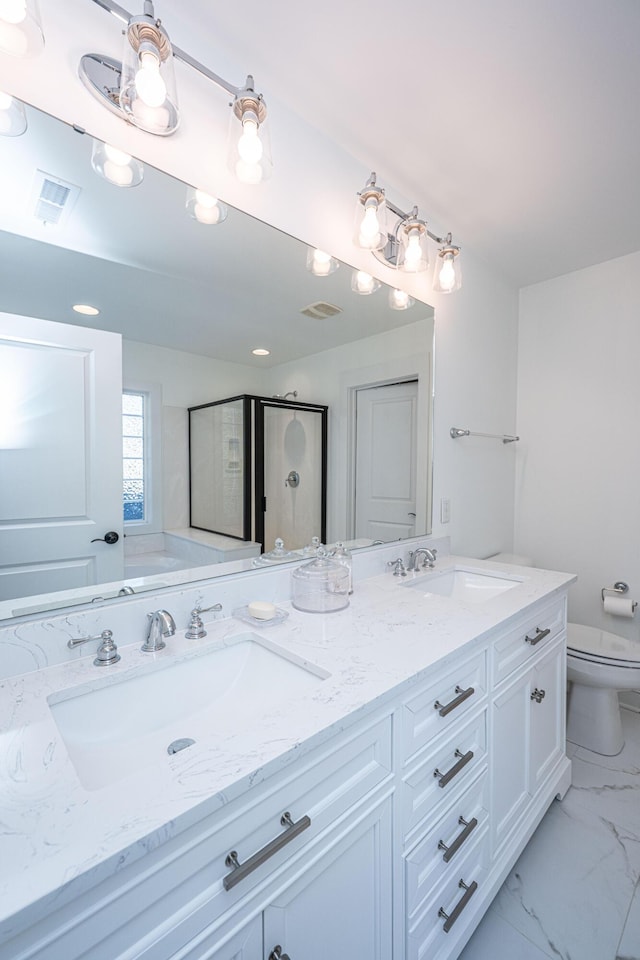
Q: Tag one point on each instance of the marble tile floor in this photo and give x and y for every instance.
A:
(574, 894)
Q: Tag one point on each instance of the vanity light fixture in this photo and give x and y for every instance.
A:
(321, 264)
(115, 165)
(85, 309)
(204, 208)
(20, 28)
(400, 299)
(142, 90)
(405, 245)
(363, 283)
(13, 119)
(447, 277)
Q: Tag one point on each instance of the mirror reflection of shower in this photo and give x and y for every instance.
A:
(283, 396)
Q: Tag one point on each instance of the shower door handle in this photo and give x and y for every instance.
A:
(293, 479)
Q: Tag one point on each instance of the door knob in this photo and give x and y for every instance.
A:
(277, 954)
(293, 479)
(110, 537)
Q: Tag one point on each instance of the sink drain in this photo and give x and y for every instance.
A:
(181, 744)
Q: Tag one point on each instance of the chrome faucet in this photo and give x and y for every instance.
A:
(425, 552)
(196, 630)
(161, 624)
(107, 651)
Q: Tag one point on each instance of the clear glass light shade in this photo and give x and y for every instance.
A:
(447, 276)
(399, 299)
(20, 28)
(370, 229)
(13, 119)
(412, 251)
(204, 208)
(363, 283)
(321, 264)
(116, 166)
(148, 92)
(249, 143)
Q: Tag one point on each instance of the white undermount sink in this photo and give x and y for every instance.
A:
(124, 725)
(459, 583)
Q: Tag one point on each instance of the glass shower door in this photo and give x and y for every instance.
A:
(294, 474)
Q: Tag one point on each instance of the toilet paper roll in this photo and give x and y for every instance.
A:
(619, 606)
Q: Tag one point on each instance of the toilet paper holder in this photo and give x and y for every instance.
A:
(616, 590)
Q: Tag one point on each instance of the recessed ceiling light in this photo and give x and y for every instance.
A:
(261, 352)
(86, 309)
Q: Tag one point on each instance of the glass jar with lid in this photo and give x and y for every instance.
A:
(320, 586)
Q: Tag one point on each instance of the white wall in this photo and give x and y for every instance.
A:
(578, 506)
(311, 196)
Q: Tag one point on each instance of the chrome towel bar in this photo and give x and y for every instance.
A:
(456, 432)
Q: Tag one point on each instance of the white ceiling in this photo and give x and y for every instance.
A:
(513, 123)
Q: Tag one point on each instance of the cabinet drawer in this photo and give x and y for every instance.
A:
(441, 850)
(531, 634)
(442, 773)
(459, 897)
(177, 890)
(442, 702)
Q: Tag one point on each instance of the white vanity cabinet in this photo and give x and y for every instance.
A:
(385, 837)
(528, 715)
(500, 750)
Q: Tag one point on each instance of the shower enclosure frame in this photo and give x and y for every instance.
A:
(262, 403)
(253, 412)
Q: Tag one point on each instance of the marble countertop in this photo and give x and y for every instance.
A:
(55, 832)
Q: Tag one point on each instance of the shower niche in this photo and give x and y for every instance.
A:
(258, 469)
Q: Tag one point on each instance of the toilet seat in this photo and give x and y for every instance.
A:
(600, 646)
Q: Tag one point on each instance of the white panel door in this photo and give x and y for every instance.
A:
(386, 442)
(60, 456)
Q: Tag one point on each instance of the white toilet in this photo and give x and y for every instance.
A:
(599, 664)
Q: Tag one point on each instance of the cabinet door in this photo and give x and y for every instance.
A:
(547, 716)
(510, 757)
(341, 902)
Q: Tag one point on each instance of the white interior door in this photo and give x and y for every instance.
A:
(60, 456)
(386, 445)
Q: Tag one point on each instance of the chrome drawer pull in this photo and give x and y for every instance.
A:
(540, 635)
(538, 695)
(448, 707)
(241, 870)
(455, 769)
(450, 918)
(451, 850)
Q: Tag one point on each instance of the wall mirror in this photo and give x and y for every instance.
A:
(191, 302)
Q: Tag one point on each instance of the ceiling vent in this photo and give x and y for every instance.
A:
(53, 199)
(320, 310)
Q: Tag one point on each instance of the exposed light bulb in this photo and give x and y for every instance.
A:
(400, 299)
(119, 157)
(13, 119)
(115, 165)
(321, 263)
(363, 283)
(13, 11)
(447, 274)
(249, 144)
(248, 172)
(150, 86)
(413, 250)
(206, 208)
(370, 226)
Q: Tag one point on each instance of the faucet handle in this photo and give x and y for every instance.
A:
(196, 630)
(107, 651)
(399, 569)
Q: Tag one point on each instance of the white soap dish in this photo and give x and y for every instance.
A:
(242, 613)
